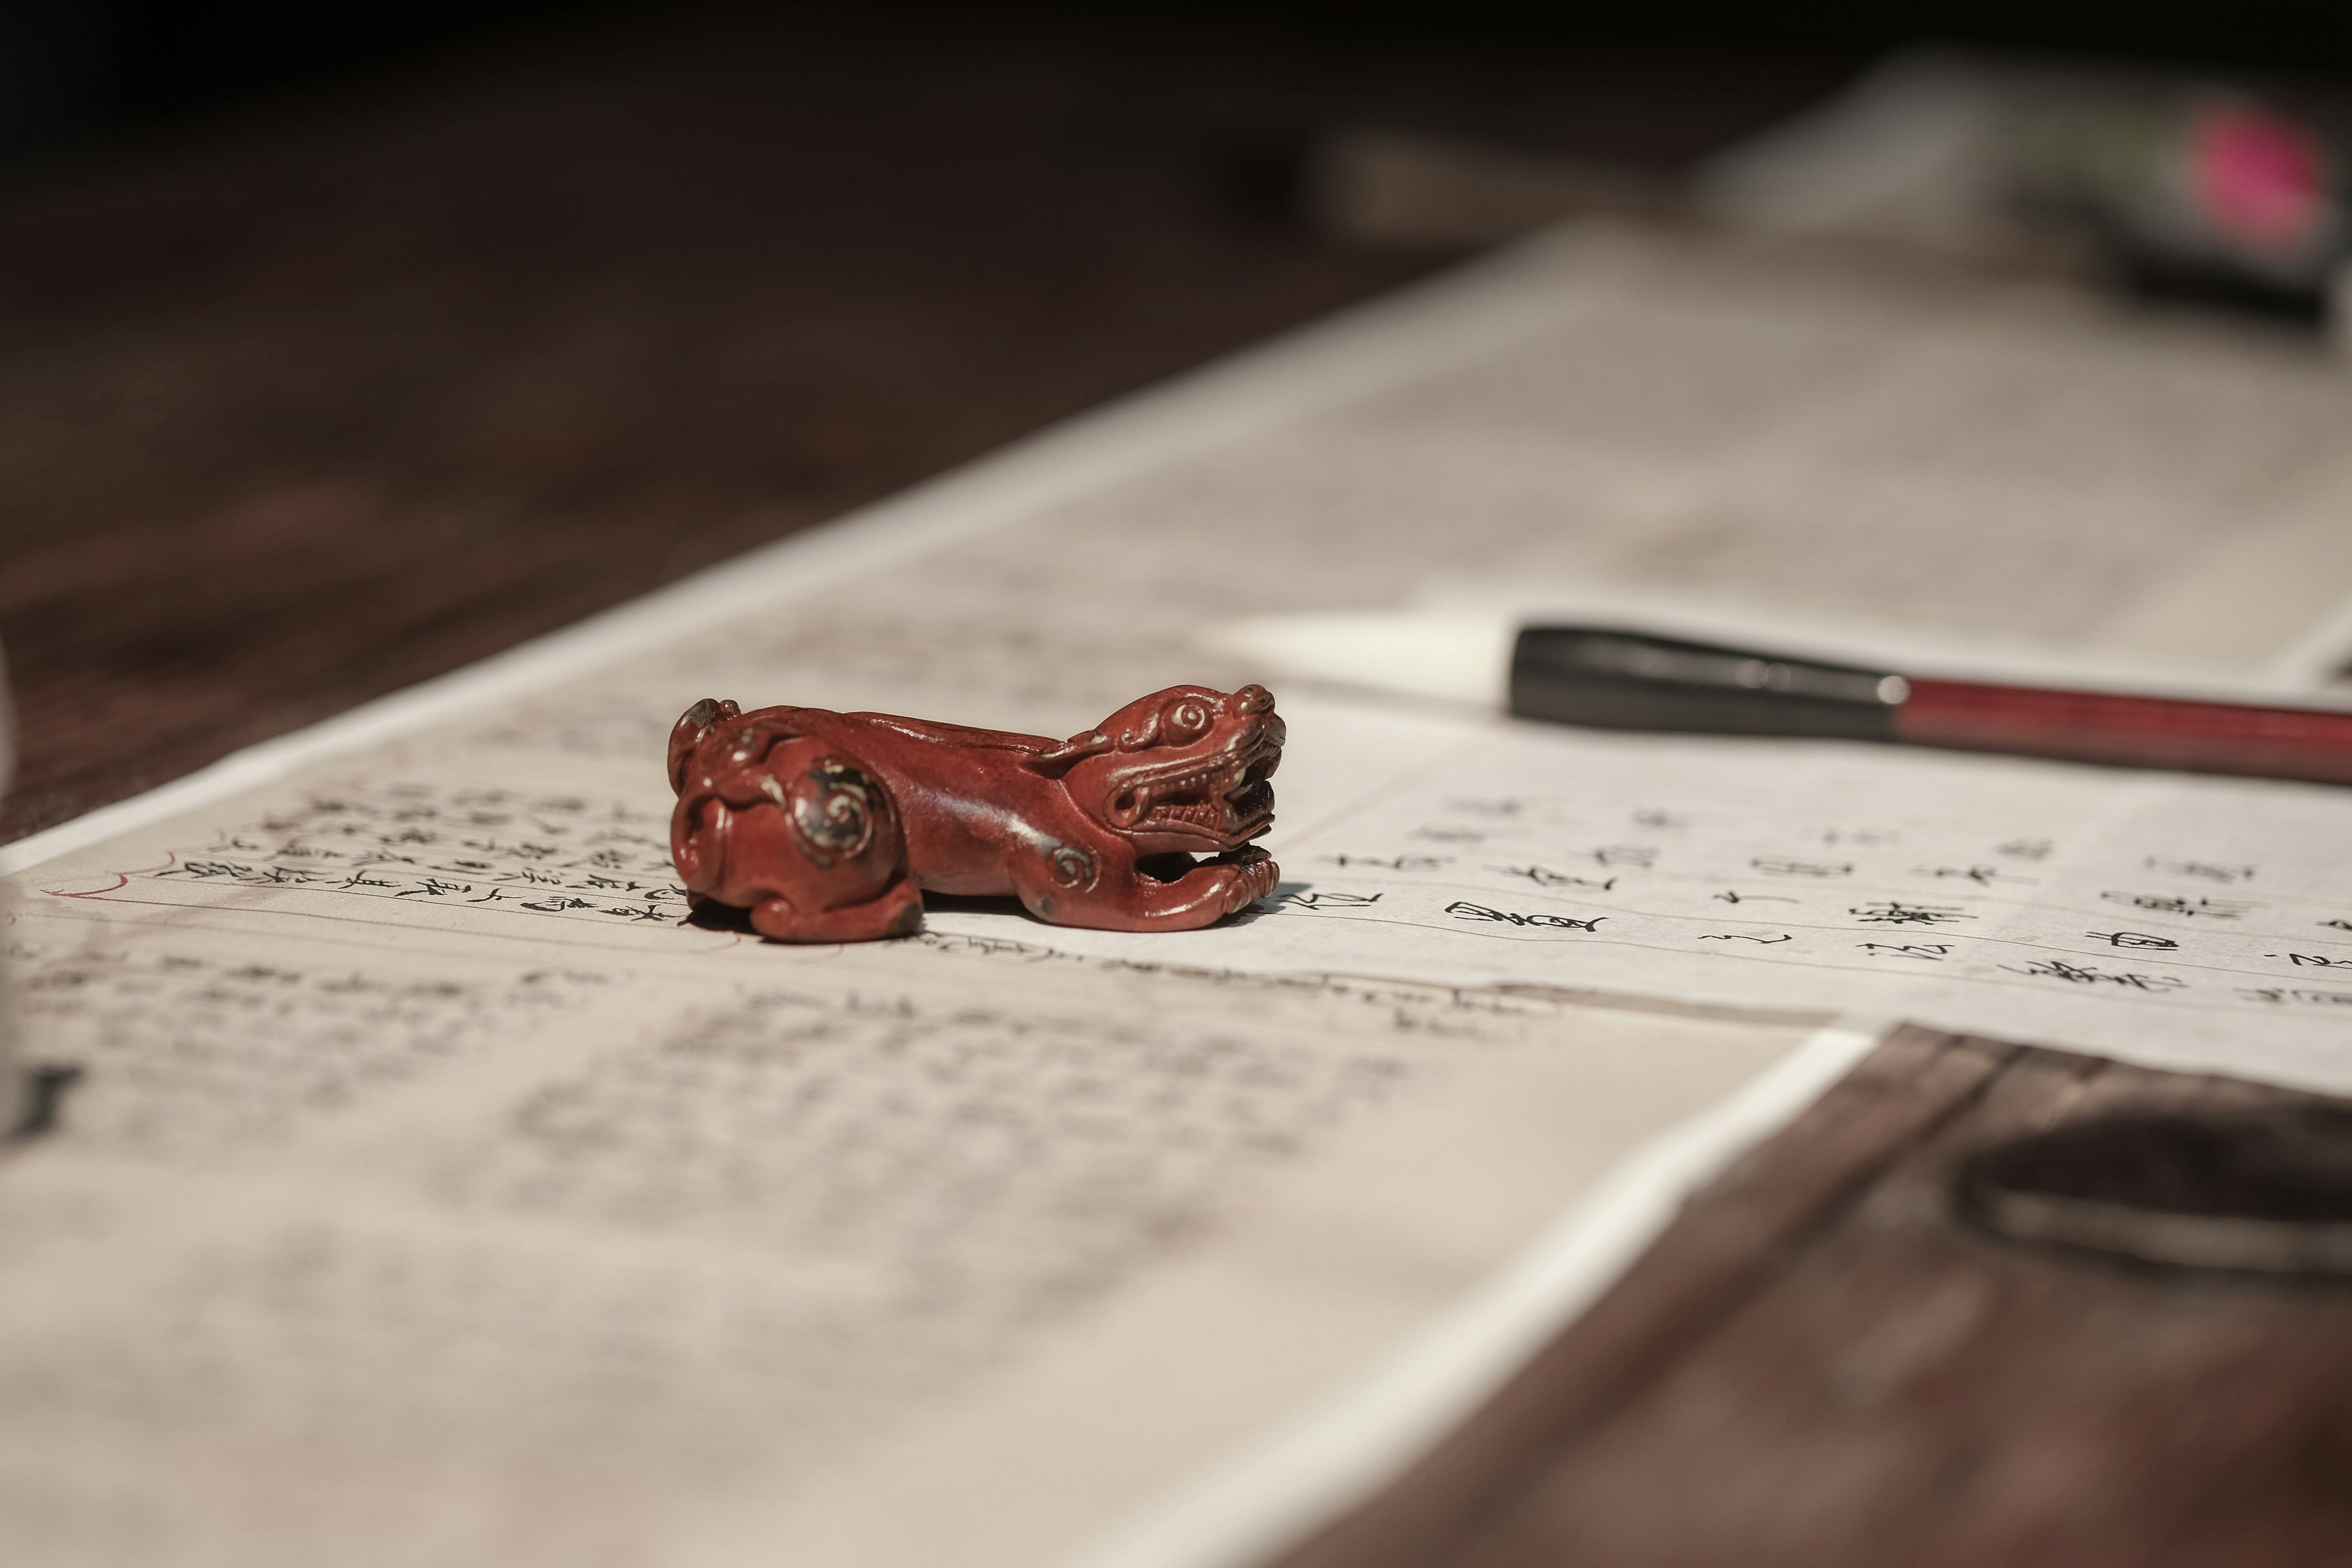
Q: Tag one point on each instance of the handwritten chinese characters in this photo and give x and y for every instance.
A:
(187, 1051)
(1704, 867)
(942, 1182)
(514, 852)
(1061, 1145)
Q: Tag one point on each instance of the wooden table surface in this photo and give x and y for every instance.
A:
(308, 399)
(1821, 1364)
(311, 399)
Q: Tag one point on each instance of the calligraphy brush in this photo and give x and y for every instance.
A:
(1609, 678)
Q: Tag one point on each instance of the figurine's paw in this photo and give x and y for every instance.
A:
(897, 913)
(1253, 875)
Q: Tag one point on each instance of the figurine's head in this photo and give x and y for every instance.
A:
(1184, 769)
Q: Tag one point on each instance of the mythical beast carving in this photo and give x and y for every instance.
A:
(827, 826)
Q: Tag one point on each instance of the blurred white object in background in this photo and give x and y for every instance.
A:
(2227, 191)
(2165, 183)
(1909, 154)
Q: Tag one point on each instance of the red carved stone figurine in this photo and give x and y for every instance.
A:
(827, 826)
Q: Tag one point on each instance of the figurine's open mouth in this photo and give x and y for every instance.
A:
(1226, 797)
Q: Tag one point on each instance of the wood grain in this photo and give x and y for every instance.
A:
(301, 406)
(1819, 1364)
(305, 401)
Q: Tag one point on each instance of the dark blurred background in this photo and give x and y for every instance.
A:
(340, 345)
(74, 68)
(71, 67)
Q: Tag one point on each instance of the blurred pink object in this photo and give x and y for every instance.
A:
(2258, 178)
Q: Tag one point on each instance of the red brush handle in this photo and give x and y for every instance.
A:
(2136, 731)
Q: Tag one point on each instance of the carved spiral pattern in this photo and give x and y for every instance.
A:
(832, 814)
